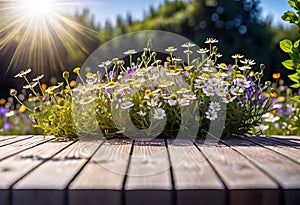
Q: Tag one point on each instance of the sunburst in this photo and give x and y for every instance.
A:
(40, 32)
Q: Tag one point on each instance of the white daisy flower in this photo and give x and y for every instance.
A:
(183, 102)
(141, 113)
(127, 105)
(214, 106)
(171, 49)
(242, 82)
(190, 97)
(248, 62)
(236, 91)
(183, 90)
(202, 50)
(211, 40)
(159, 114)
(188, 45)
(130, 52)
(209, 90)
(211, 115)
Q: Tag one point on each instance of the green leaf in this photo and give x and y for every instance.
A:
(296, 98)
(296, 44)
(288, 64)
(286, 45)
(295, 85)
(292, 4)
(290, 16)
(294, 77)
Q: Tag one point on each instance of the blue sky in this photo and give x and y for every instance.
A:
(109, 9)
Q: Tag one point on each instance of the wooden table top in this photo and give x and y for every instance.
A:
(235, 171)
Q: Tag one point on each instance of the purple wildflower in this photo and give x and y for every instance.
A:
(186, 74)
(111, 74)
(201, 104)
(7, 126)
(3, 110)
(165, 92)
(130, 72)
(108, 90)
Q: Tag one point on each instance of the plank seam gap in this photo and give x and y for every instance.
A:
(42, 162)
(216, 172)
(128, 166)
(283, 155)
(174, 193)
(258, 167)
(23, 150)
(26, 138)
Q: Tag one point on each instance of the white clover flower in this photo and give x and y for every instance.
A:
(130, 52)
(202, 50)
(214, 106)
(159, 114)
(211, 115)
(262, 127)
(188, 45)
(126, 105)
(211, 40)
(141, 113)
(208, 90)
(183, 102)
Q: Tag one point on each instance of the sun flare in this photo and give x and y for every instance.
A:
(39, 7)
(40, 34)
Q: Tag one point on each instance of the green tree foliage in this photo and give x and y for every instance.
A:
(237, 24)
(292, 49)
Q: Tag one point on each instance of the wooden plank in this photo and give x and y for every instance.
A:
(21, 145)
(283, 170)
(14, 168)
(13, 139)
(6, 137)
(149, 179)
(194, 178)
(101, 180)
(46, 184)
(279, 147)
(293, 141)
(242, 179)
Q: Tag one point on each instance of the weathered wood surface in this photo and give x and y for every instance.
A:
(245, 170)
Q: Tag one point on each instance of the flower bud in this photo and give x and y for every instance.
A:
(66, 74)
(13, 92)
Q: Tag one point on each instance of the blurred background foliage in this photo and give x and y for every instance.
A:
(238, 25)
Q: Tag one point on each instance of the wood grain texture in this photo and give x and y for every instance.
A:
(53, 176)
(21, 145)
(194, 178)
(149, 179)
(288, 151)
(283, 170)
(240, 176)
(12, 139)
(103, 176)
